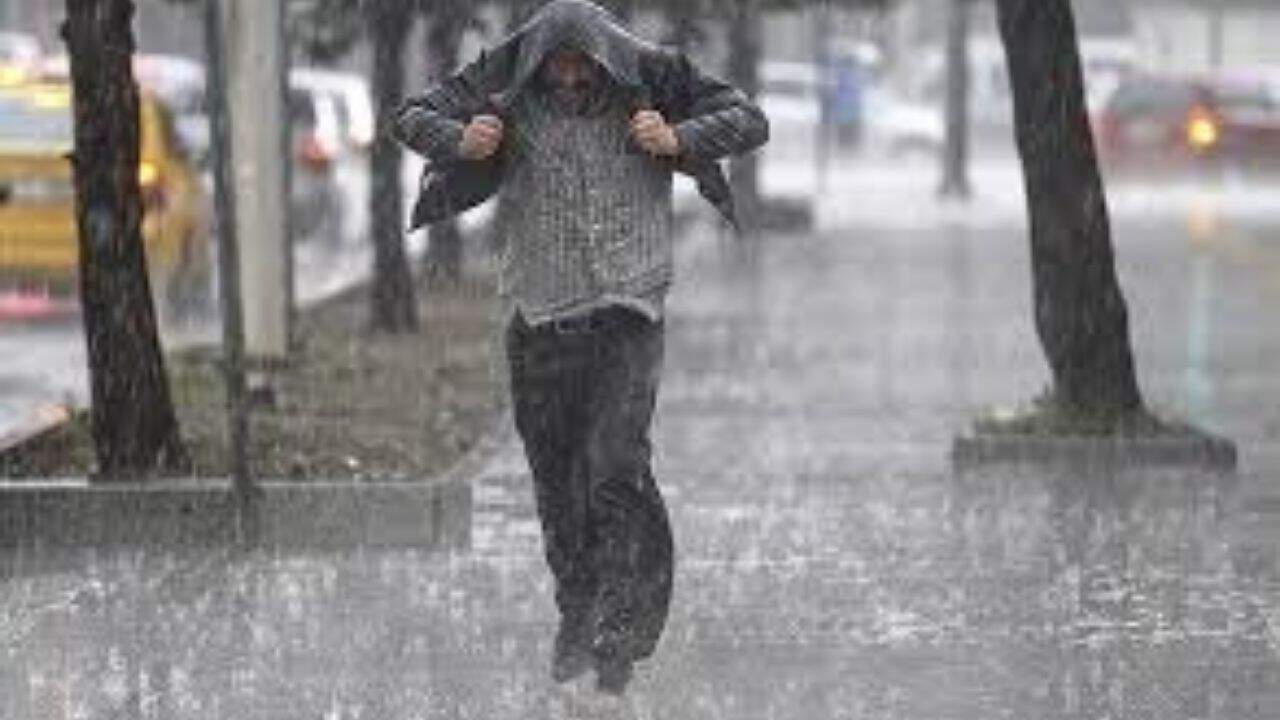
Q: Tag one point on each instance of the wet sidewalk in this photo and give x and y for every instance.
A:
(830, 564)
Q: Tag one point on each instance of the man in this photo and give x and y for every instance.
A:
(577, 126)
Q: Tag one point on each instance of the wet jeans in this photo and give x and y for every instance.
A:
(583, 393)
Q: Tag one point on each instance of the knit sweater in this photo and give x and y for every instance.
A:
(585, 214)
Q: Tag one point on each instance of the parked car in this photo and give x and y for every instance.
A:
(351, 94)
(39, 249)
(1163, 123)
(901, 128)
(19, 48)
(316, 202)
(1105, 62)
(344, 130)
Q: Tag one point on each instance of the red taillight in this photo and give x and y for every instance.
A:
(313, 154)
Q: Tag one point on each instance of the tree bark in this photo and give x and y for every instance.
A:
(955, 160)
(1080, 313)
(395, 308)
(135, 430)
(448, 22)
(746, 41)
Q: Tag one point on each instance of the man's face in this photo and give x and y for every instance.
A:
(569, 73)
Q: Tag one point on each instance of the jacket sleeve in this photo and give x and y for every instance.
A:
(721, 121)
(431, 123)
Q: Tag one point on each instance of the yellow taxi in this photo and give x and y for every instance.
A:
(39, 252)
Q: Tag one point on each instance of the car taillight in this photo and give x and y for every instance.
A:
(313, 153)
(1203, 130)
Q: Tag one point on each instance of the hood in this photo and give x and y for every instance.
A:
(582, 26)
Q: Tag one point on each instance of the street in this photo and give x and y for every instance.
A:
(830, 562)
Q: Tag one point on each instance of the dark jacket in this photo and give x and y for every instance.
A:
(712, 119)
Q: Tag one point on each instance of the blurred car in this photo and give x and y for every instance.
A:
(39, 248)
(791, 97)
(316, 201)
(176, 80)
(19, 49)
(351, 94)
(1162, 123)
(19, 58)
(791, 93)
(892, 124)
(990, 97)
(1104, 61)
(344, 131)
(900, 128)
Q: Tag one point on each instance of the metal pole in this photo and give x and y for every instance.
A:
(822, 68)
(286, 206)
(1217, 35)
(228, 253)
(955, 162)
(254, 57)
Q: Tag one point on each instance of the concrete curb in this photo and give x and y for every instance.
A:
(1202, 451)
(45, 515)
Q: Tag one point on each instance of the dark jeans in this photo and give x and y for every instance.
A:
(584, 393)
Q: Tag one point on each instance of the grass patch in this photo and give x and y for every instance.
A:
(349, 403)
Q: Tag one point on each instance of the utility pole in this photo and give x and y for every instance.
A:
(955, 160)
(228, 253)
(1217, 35)
(255, 67)
(822, 63)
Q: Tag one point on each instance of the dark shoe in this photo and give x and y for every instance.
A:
(571, 656)
(613, 674)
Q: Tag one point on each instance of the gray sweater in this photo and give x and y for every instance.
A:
(584, 213)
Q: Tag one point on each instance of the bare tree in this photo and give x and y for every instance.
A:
(395, 307)
(955, 159)
(447, 23)
(135, 430)
(1080, 313)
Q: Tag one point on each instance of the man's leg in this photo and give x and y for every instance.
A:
(548, 386)
(630, 530)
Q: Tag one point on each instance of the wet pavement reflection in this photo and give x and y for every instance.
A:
(831, 564)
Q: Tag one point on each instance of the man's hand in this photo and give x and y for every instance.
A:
(653, 134)
(481, 137)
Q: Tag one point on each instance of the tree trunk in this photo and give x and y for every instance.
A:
(1080, 312)
(746, 39)
(955, 159)
(395, 308)
(443, 258)
(135, 430)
